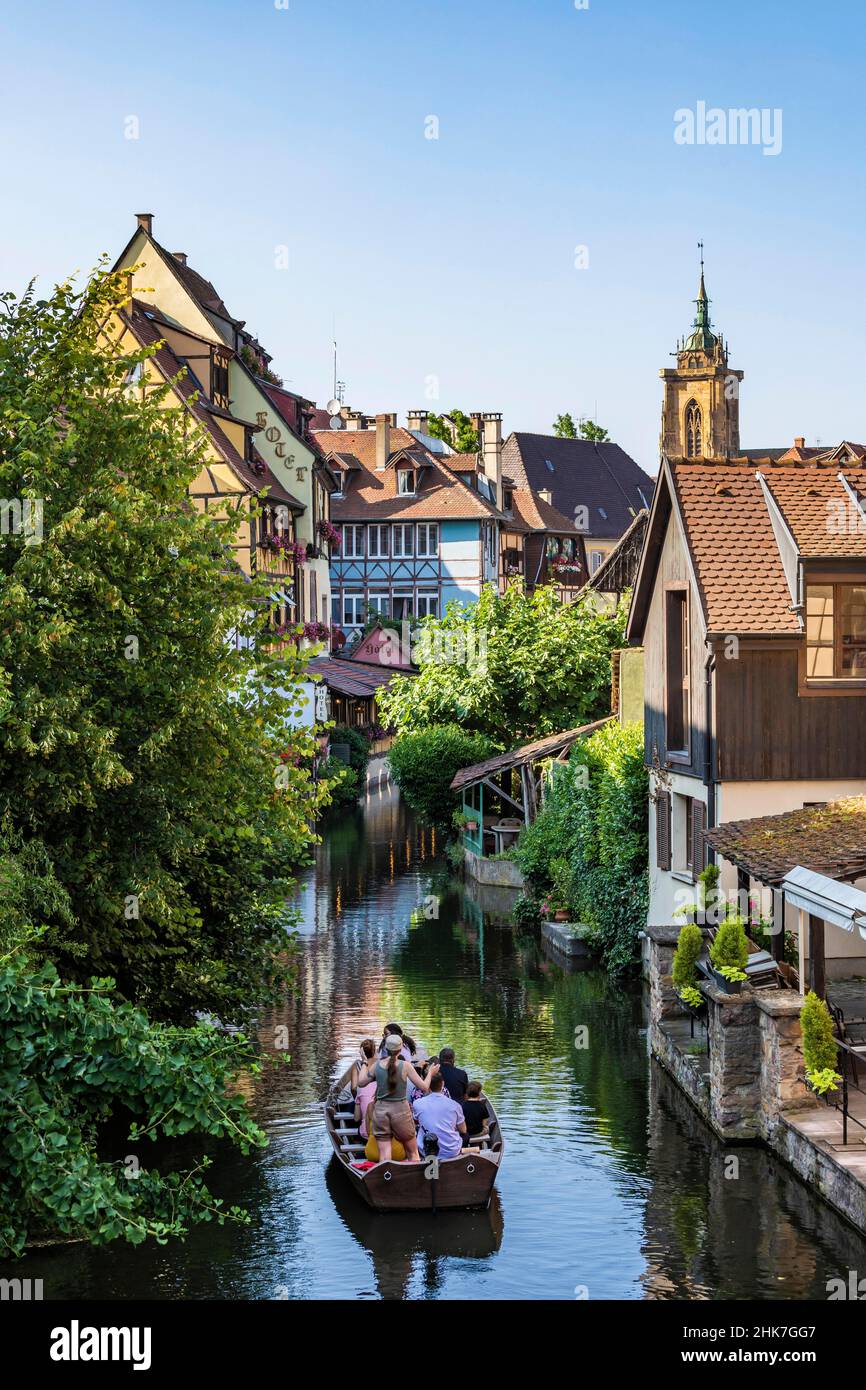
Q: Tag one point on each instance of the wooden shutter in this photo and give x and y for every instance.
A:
(663, 830)
(699, 849)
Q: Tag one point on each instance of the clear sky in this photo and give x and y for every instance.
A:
(453, 259)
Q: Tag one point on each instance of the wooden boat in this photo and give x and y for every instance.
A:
(466, 1181)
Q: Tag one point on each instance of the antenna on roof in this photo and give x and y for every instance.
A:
(701, 250)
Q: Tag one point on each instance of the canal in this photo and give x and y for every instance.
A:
(611, 1186)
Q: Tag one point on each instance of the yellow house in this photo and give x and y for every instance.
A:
(233, 372)
(233, 477)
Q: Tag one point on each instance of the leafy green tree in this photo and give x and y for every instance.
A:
(595, 817)
(563, 427)
(819, 1044)
(590, 430)
(466, 441)
(423, 764)
(70, 1058)
(144, 754)
(512, 666)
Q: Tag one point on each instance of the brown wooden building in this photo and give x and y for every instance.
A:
(750, 603)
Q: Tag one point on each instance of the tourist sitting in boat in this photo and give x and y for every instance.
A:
(407, 1044)
(392, 1117)
(474, 1109)
(439, 1116)
(346, 1097)
(455, 1078)
(365, 1094)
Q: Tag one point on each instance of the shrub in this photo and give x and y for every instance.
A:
(359, 746)
(730, 947)
(73, 1055)
(526, 912)
(423, 765)
(689, 947)
(595, 817)
(344, 782)
(819, 1045)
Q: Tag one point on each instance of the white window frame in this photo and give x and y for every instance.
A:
(354, 531)
(428, 528)
(406, 593)
(353, 601)
(380, 600)
(378, 532)
(595, 559)
(405, 476)
(402, 530)
(427, 603)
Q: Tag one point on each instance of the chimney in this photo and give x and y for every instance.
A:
(491, 445)
(145, 222)
(180, 256)
(800, 441)
(546, 495)
(476, 419)
(383, 441)
(418, 420)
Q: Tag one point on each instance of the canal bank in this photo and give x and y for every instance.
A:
(611, 1183)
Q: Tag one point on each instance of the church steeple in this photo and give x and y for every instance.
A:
(702, 338)
(701, 409)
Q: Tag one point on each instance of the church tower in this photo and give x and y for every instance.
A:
(701, 406)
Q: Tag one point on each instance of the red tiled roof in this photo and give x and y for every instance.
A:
(351, 677)
(821, 514)
(372, 493)
(734, 550)
(537, 515)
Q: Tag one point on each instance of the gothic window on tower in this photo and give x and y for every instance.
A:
(693, 430)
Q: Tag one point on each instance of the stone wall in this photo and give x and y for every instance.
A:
(752, 1081)
(755, 1056)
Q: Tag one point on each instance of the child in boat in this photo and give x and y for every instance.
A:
(475, 1110)
(407, 1044)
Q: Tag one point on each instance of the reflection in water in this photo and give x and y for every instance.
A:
(610, 1180)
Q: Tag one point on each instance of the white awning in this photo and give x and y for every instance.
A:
(827, 898)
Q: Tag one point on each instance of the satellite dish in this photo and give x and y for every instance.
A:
(333, 407)
(337, 422)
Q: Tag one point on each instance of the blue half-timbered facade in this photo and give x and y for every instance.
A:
(414, 534)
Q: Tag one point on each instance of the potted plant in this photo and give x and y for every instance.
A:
(685, 972)
(729, 954)
(462, 821)
(329, 534)
(819, 1045)
(556, 904)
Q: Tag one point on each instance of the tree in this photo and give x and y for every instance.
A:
(423, 764)
(590, 430)
(511, 666)
(69, 1058)
(144, 755)
(466, 441)
(563, 427)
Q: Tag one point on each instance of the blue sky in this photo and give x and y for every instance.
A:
(453, 259)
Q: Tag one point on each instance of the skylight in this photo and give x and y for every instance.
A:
(549, 465)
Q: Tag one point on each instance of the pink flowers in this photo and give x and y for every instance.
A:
(284, 545)
(329, 533)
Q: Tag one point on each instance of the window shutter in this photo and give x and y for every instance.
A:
(663, 830)
(699, 849)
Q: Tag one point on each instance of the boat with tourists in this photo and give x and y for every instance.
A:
(432, 1182)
